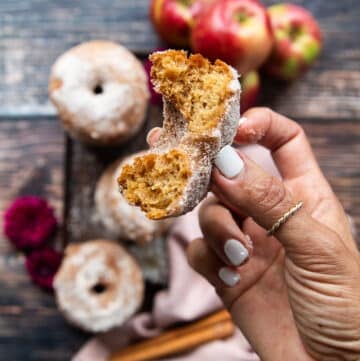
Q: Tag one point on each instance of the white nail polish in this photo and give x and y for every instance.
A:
(228, 162)
(228, 276)
(235, 252)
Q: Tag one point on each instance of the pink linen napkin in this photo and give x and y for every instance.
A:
(188, 297)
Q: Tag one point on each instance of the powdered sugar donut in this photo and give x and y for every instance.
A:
(201, 115)
(98, 286)
(121, 219)
(100, 91)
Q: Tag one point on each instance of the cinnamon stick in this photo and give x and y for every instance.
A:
(215, 317)
(215, 326)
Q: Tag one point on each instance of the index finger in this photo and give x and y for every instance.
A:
(153, 135)
(285, 139)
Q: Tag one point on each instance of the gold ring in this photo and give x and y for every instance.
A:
(284, 218)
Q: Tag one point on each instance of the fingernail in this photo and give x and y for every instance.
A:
(228, 276)
(235, 252)
(151, 133)
(249, 240)
(228, 162)
(242, 120)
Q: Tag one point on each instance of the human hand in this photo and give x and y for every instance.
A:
(295, 296)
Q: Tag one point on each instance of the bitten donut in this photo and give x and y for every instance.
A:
(98, 286)
(121, 219)
(100, 91)
(201, 114)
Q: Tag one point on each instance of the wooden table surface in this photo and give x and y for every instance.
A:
(37, 158)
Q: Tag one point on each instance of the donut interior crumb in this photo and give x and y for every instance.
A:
(197, 88)
(154, 182)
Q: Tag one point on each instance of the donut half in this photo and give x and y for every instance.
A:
(201, 114)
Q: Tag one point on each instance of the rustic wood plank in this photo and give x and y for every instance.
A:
(336, 146)
(31, 162)
(35, 32)
(321, 93)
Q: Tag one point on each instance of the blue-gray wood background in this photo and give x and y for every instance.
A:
(36, 157)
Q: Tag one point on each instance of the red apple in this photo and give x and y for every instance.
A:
(297, 41)
(173, 19)
(235, 31)
(250, 90)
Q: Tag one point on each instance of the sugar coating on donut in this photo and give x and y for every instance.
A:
(122, 220)
(100, 90)
(201, 113)
(99, 285)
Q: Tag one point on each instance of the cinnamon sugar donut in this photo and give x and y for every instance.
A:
(100, 91)
(201, 114)
(121, 219)
(98, 286)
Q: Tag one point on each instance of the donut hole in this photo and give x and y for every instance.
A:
(154, 182)
(98, 89)
(99, 288)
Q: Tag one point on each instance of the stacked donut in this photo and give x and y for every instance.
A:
(100, 91)
(99, 285)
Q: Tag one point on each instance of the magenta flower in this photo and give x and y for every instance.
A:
(29, 222)
(42, 266)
